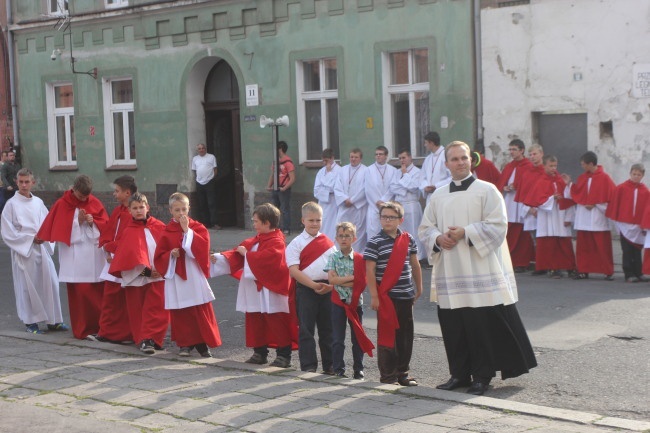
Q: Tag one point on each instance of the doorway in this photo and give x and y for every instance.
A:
(563, 135)
(223, 140)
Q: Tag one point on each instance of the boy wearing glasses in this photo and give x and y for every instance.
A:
(346, 270)
(394, 280)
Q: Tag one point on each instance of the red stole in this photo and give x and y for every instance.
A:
(359, 285)
(386, 316)
(135, 252)
(521, 166)
(57, 226)
(172, 237)
(601, 190)
(268, 263)
(622, 207)
(118, 221)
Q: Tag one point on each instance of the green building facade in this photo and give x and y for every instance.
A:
(155, 78)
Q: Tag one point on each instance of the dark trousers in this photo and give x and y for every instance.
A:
(206, 196)
(282, 200)
(314, 310)
(339, 321)
(632, 261)
(394, 362)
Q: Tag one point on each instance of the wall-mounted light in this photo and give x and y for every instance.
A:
(55, 54)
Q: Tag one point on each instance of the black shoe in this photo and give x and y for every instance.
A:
(520, 269)
(328, 371)
(147, 346)
(407, 381)
(358, 375)
(454, 383)
(257, 358)
(341, 374)
(478, 388)
(203, 350)
(538, 273)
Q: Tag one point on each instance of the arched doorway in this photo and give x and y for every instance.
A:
(223, 139)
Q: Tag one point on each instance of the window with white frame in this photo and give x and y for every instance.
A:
(115, 3)
(57, 7)
(405, 77)
(318, 108)
(119, 121)
(60, 124)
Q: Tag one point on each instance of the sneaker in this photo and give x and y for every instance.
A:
(632, 280)
(203, 350)
(33, 329)
(184, 351)
(146, 346)
(555, 274)
(609, 277)
(341, 374)
(358, 375)
(281, 361)
(58, 327)
(257, 358)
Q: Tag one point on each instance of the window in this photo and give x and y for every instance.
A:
(406, 100)
(118, 121)
(318, 108)
(57, 7)
(115, 3)
(60, 125)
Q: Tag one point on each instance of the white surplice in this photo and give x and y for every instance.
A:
(593, 220)
(324, 193)
(82, 261)
(434, 172)
(479, 275)
(378, 178)
(36, 284)
(350, 185)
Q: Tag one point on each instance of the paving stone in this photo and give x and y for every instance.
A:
(121, 413)
(233, 399)
(160, 386)
(123, 395)
(626, 424)
(276, 406)
(443, 419)
(237, 417)
(320, 414)
(50, 399)
(55, 383)
(160, 421)
(196, 427)
(192, 409)
(19, 393)
(23, 378)
(413, 427)
(402, 411)
(283, 425)
(156, 401)
(360, 423)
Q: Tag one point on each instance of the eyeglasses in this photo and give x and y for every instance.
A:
(344, 236)
(389, 217)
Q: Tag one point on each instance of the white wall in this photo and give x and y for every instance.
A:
(530, 54)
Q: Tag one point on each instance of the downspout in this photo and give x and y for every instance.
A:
(12, 82)
(478, 69)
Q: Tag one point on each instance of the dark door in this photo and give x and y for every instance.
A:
(224, 141)
(565, 136)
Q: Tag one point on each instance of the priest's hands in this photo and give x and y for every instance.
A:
(175, 252)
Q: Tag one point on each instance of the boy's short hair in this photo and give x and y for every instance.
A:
(536, 147)
(517, 143)
(393, 205)
(282, 145)
(383, 149)
(24, 172)
(406, 151)
(266, 212)
(178, 196)
(139, 197)
(589, 158)
(346, 227)
(547, 158)
(639, 167)
(433, 137)
(328, 153)
(126, 183)
(311, 207)
(83, 184)
(357, 150)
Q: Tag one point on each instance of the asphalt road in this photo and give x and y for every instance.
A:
(591, 337)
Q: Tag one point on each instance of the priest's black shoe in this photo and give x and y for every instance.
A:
(478, 388)
(454, 383)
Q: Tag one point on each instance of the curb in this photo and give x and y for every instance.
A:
(507, 406)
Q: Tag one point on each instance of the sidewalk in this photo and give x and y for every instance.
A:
(55, 383)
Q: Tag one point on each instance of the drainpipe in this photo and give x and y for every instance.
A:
(477, 65)
(12, 82)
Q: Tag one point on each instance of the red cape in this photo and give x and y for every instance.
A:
(522, 166)
(359, 285)
(130, 254)
(622, 207)
(119, 219)
(386, 316)
(172, 237)
(57, 226)
(527, 182)
(268, 263)
(487, 171)
(542, 189)
(601, 190)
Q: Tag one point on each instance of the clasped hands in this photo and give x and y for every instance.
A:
(450, 238)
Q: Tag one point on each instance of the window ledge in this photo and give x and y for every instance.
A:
(117, 167)
(64, 168)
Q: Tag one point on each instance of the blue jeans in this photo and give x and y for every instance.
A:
(282, 200)
(339, 321)
(313, 311)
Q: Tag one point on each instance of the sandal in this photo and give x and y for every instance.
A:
(580, 276)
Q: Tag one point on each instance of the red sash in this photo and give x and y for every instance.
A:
(386, 316)
(359, 285)
(135, 252)
(172, 237)
(57, 226)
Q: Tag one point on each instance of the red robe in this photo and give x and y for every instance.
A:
(487, 171)
(114, 319)
(172, 237)
(601, 190)
(623, 207)
(521, 166)
(527, 182)
(145, 305)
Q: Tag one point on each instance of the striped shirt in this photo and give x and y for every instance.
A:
(379, 249)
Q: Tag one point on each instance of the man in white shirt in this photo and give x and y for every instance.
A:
(351, 196)
(204, 167)
(434, 172)
(324, 192)
(378, 177)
